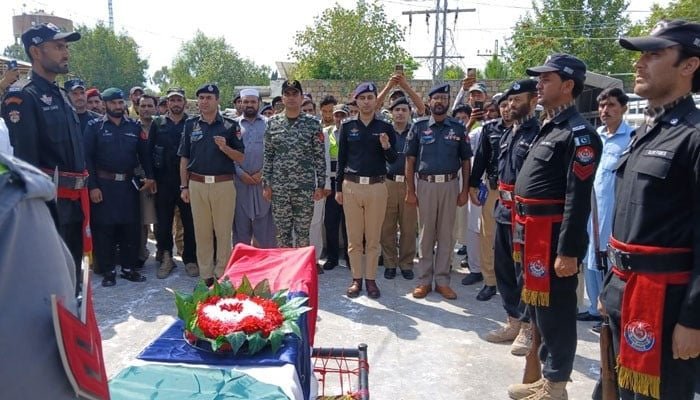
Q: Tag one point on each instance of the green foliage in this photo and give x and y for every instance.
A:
(16, 51)
(211, 60)
(496, 69)
(584, 28)
(359, 44)
(453, 73)
(105, 59)
(688, 10)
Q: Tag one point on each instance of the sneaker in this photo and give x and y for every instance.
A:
(192, 269)
(520, 391)
(166, 266)
(522, 342)
(506, 333)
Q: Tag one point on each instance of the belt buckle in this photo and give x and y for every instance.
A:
(209, 179)
(439, 178)
(400, 178)
(519, 208)
(119, 177)
(364, 180)
(79, 183)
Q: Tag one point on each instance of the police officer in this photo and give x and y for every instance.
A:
(334, 218)
(399, 216)
(94, 101)
(164, 140)
(365, 146)
(552, 205)
(113, 149)
(209, 147)
(485, 173)
(294, 167)
(253, 217)
(437, 149)
(521, 98)
(31, 371)
(76, 94)
(653, 294)
(45, 132)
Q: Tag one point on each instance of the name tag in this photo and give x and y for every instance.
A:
(209, 179)
(119, 177)
(364, 180)
(400, 178)
(439, 178)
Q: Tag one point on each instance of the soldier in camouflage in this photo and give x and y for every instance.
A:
(294, 167)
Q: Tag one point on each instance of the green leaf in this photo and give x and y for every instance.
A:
(185, 306)
(245, 287)
(226, 288)
(280, 297)
(256, 343)
(201, 292)
(262, 289)
(291, 327)
(294, 303)
(276, 337)
(217, 343)
(236, 340)
(295, 313)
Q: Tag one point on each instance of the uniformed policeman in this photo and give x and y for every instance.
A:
(253, 217)
(164, 140)
(76, 94)
(653, 295)
(45, 132)
(437, 148)
(552, 205)
(521, 97)
(294, 167)
(209, 147)
(364, 147)
(113, 149)
(400, 218)
(485, 173)
(31, 371)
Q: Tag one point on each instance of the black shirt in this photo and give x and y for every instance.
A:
(198, 145)
(561, 165)
(486, 157)
(164, 140)
(657, 193)
(439, 148)
(398, 167)
(359, 150)
(514, 147)
(86, 117)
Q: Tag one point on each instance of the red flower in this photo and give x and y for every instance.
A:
(250, 324)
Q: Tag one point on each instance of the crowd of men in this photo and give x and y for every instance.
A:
(533, 198)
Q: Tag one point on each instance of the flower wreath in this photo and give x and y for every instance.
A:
(228, 317)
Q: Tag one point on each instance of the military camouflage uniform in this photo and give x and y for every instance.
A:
(294, 165)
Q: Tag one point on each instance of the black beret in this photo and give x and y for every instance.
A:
(208, 88)
(441, 88)
(398, 102)
(364, 87)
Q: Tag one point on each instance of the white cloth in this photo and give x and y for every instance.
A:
(316, 227)
(5, 146)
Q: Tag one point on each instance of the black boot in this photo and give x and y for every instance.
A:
(109, 278)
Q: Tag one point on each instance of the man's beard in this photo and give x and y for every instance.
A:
(55, 67)
(438, 109)
(115, 113)
(250, 112)
(177, 110)
(521, 112)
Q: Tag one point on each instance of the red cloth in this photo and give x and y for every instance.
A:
(293, 269)
(84, 197)
(641, 322)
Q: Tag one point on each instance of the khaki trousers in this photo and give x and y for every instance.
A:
(406, 217)
(488, 235)
(213, 206)
(364, 207)
(437, 207)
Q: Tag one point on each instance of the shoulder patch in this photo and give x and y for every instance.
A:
(582, 140)
(578, 127)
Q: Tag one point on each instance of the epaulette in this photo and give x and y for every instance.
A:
(421, 119)
(348, 119)
(18, 86)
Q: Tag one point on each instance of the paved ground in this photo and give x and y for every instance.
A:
(418, 349)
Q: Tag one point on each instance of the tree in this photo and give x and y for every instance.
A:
(453, 73)
(688, 10)
(359, 44)
(161, 78)
(587, 29)
(496, 69)
(16, 51)
(105, 59)
(212, 60)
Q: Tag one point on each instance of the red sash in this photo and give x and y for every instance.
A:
(641, 323)
(504, 187)
(536, 251)
(83, 196)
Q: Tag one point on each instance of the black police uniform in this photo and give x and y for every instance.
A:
(86, 117)
(45, 131)
(197, 144)
(163, 141)
(487, 152)
(555, 183)
(112, 153)
(514, 147)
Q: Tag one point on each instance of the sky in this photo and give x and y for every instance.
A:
(263, 31)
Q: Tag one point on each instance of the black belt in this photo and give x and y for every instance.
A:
(660, 263)
(113, 176)
(364, 180)
(396, 178)
(439, 178)
(538, 210)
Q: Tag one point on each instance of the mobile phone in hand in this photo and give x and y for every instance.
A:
(471, 72)
(11, 64)
(479, 105)
(398, 68)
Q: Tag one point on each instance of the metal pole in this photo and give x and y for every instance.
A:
(441, 77)
(435, 44)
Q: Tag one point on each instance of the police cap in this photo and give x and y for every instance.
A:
(208, 88)
(45, 32)
(365, 87)
(565, 64)
(442, 88)
(175, 91)
(398, 102)
(522, 86)
(341, 108)
(265, 108)
(73, 84)
(666, 34)
(293, 84)
(112, 94)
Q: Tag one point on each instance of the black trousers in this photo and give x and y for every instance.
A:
(509, 274)
(678, 377)
(557, 325)
(334, 219)
(108, 238)
(72, 235)
(167, 198)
